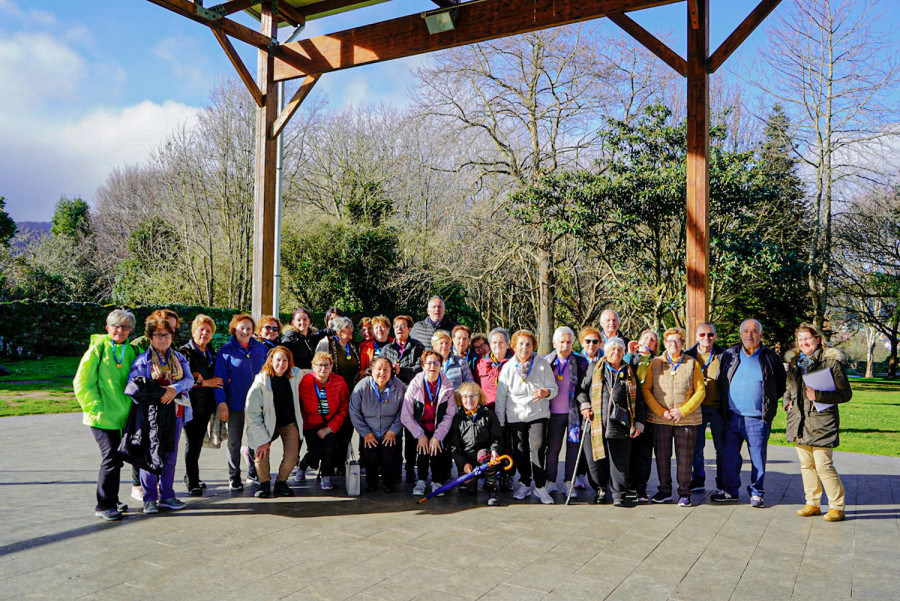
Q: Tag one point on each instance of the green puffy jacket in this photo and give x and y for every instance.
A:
(100, 385)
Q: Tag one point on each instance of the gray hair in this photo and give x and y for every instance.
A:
(758, 325)
(341, 323)
(613, 342)
(562, 331)
(437, 298)
(500, 331)
(613, 311)
(121, 317)
(713, 326)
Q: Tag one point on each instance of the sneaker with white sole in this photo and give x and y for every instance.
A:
(566, 486)
(684, 501)
(581, 482)
(522, 491)
(326, 483)
(171, 503)
(419, 488)
(551, 487)
(757, 501)
(435, 486)
(151, 507)
(542, 494)
(137, 493)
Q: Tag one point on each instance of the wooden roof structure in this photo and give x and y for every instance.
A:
(465, 22)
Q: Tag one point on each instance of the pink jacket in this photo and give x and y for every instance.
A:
(414, 407)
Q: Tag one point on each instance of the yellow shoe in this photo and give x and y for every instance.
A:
(834, 515)
(809, 510)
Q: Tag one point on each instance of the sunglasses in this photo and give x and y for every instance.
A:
(271, 328)
(707, 335)
(589, 341)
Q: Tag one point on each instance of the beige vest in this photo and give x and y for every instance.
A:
(673, 391)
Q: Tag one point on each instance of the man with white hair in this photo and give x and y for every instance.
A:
(437, 319)
(609, 324)
(751, 381)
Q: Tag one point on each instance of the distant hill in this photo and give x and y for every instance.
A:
(28, 230)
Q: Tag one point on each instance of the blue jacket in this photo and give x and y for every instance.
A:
(141, 368)
(237, 366)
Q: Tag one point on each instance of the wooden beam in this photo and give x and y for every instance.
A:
(291, 107)
(326, 7)
(239, 66)
(291, 14)
(235, 30)
(477, 22)
(693, 13)
(650, 42)
(697, 259)
(264, 194)
(737, 37)
(233, 6)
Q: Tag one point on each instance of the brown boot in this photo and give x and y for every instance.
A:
(834, 515)
(809, 510)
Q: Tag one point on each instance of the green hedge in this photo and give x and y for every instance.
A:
(31, 328)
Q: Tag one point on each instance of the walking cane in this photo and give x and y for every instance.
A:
(584, 426)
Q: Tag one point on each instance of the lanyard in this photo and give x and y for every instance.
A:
(346, 348)
(432, 398)
(530, 367)
(708, 361)
(584, 354)
(376, 349)
(165, 362)
(619, 371)
(118, 360)
(387, 392)
(674, 367)
(446, 367)
(323, 399)
(561, 367)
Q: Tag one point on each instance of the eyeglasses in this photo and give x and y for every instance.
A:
(271, 328)
(125, 327)
(163, 335)
(429, 363)
(481, 347)
(589, 341)
(707, 334)
(468, 396)
(322, 365)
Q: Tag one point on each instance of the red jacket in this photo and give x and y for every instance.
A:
(338, 396)
(367, 353)
(486, 375)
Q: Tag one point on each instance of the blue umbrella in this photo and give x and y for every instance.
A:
(477, 471)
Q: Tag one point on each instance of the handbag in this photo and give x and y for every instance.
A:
(352, 477)
(617, 414)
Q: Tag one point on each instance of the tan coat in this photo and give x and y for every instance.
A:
(683, 390)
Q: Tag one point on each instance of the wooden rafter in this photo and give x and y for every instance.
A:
(235, 30)
(291, 14)
(650, 42)
(737, 37)
(291, 107)
(325, 7)
(239, 66)
(477, 22)
(693, 14)
(233, 6)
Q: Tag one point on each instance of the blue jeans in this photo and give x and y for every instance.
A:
(713, 417)
(755, 431)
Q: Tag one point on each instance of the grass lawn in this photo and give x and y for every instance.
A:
(870, 422)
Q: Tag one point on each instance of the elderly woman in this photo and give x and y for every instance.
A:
(272, 410)
(301, 339)
(454, 366)
(813, 421)
(475, 437)
(565, 415)
(142, 342)
(171, 370)
(673, 390)
(591, 343)
(406, 356)
(481, 348)
(489, 367)
(427, 413)
(525, 387)
(201, 358)
(237, 364)
(346, 361)
(616, 414)
(461, 337)
(640, 353)
(365, 329)
(376, 344)
(375, 412)
(324, 403)
(268, 331)
(100, 391)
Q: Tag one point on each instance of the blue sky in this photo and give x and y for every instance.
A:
(88, 85)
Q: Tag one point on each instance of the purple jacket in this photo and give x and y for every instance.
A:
(414, 406)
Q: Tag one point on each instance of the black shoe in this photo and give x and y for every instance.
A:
(236, 483)
(493, 499)
(195, 492)
(282, 490)
(661, 497)
(698, 485)
(623, 502)
(108, 515)
(600, 499)
(390, 488)
(371, 487)
(121, 507)
(262, 491)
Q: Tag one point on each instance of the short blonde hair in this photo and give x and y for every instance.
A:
(322, 356)
(674, 331)
(470, 387)
(383, 320)
(201, 320)
(438, 334)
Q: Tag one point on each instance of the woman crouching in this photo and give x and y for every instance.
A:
(272, 410)
(475, 437)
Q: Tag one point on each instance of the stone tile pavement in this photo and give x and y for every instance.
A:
(320, 546)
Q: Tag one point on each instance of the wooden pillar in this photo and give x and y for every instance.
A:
(264, 196)
(697, 310)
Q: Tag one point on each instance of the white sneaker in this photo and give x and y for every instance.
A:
(523, 491)
(326, 483)
(419, 488)
(137, 493)
(581, 482)
(551, 487)
(566, 486)
(542, 494)
(435, 486)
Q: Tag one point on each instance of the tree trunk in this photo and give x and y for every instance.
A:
(545, 305)
(871, 339)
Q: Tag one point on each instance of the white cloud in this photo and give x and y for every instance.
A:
(189, 66)
(33, 69)
(41, 18)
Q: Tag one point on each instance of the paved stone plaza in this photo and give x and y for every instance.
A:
(320, 546)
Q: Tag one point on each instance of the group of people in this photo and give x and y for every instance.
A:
(434, 395)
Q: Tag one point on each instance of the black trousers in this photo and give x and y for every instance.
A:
(383, 461)
(109, 476)
(194, 431)
(557, 433)
(409, 455)
(685, 438)
(641, 460)
(440, 464)
(529, 441)
(616, 464)
(322, 450)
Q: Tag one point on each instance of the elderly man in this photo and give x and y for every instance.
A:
(708, 354)
(751, 381)
(609, 322)
(437, 320)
